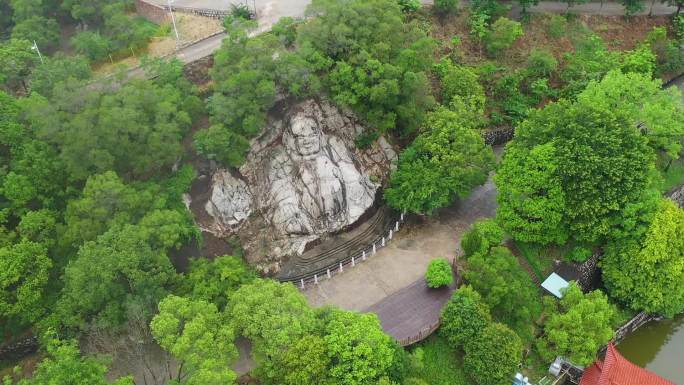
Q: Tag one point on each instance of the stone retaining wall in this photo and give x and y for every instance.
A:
(19, 349)
(152, 12)
(677, 195)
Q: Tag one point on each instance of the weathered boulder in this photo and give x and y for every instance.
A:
(303, 178)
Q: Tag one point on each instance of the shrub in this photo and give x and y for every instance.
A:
(240, 11)
(464, 317)
(439, 273)
(481, 237)
(541, 63)
(504, 32)
(446, 6)
(408, 6)
(578, 254)
(558, 25)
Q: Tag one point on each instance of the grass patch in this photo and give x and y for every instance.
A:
(674, 175)
(538, 257)
(437, 363)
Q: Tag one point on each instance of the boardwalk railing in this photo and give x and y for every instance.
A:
(335, 268)
(422, 334)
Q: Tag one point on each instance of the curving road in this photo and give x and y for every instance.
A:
(268, 13)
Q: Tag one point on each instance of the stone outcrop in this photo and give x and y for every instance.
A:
(677, 195)
(303, 178)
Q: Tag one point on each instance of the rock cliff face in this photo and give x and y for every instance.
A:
(303, 178)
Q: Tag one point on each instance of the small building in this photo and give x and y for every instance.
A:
(616, 370)
(554, 284)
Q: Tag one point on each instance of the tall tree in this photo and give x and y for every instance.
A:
(492, 357)
(212, 281)
(464, 317)
(506, 288)
(117, 270)
(577, 326)
(24, 274)
(360, 352)
(64, 365)
(646, 271)
(655, 112)
(444, 163)
(601, 164)
(273, 316)
(199, 337)
(16, 62)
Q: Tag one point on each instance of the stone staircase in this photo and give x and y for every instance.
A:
(338, 248)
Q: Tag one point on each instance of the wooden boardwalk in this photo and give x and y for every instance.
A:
(412, 313)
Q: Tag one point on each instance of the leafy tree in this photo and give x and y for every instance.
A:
(273, 316)
(199, 337)
(380, 60)
(306, 362)
(223, 145)
(578, 326)
(446, 6)
(286, 30)
(504, 32)
(641, 60)
(464, 317)
(601, 164)
(492, 357)
(656, 112)
(591, 60)
(212, 280)
(134, 131)
(408, 6)
(439, 273)
(45, 32)
(16, 62)
(530, 195)
(64, 365)
(106, 201)
(58, 69)
(506, 288)
(460, 85)
(5, 17)
(442, 164)
(359, 350)
(117, 270)
(632, 7)
(24, 273)
(646, 271)
(39, 226)
(91, 44)
(25, 9)
(168, 229)
(481, 237)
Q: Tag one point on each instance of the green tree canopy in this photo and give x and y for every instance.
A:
(444, 163)
(464, 317)
(212, 281)
(482, 236)
(108, 275)
(16, 62)
(598, 164)
(504, 32)
(24, 273)
(64, 365)
(646, 271)
(134, 131)
(359, 350)
(506, 288)
(578, 326)
(306, 362)
(493, 356)
(44, 31)
(273, 316)
(439, 273)
(57, 69)
(199, 337)
(656, 112)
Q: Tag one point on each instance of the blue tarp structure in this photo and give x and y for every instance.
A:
(554, 283)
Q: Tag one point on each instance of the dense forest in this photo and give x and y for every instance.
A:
(93, 171)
